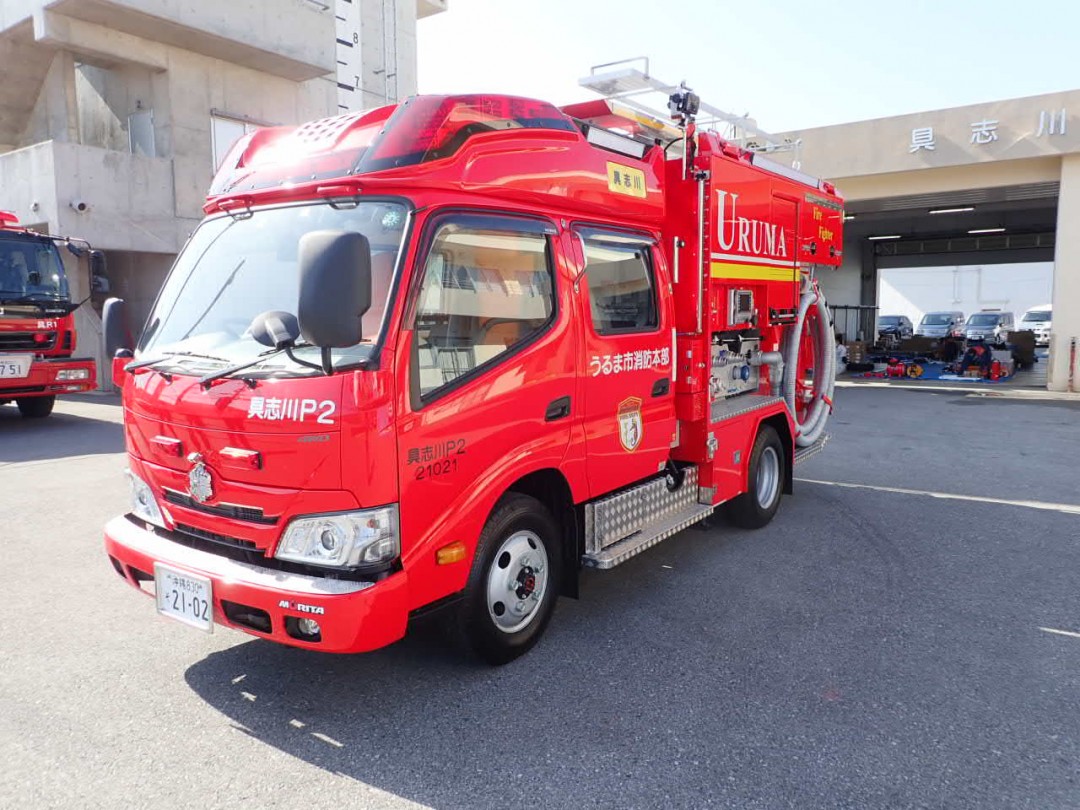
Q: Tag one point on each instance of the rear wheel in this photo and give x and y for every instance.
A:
(514, 581)
(35, 407)
(756, 507)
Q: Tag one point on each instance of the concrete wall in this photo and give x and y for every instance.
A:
(137, 277)
(388, 51)
(1013, 129)
(286, 38)
(139, 203)
(125, 207)
(1012, 288)
(843, 286)
(28, 180)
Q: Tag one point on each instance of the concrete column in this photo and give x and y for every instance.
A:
(1066, 298)
(868, 274)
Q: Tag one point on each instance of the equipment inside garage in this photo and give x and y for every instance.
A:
(975, 265)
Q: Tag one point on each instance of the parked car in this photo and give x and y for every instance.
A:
(989, 326)
(941, 324)
(894, 328)
(1037, 319)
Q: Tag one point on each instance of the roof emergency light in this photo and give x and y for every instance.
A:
(419, 129)
(427, 128)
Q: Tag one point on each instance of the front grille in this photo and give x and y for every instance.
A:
(218, 539)
(249, 514)
(18, 341)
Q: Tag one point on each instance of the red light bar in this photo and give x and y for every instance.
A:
(432, 127)
(8, 218)
(420, 129)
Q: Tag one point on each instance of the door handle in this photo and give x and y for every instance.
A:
(558, 409)
(660, 387)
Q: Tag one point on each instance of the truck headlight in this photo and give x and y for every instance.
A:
(344, 539)
(72, 374)
(143, 502)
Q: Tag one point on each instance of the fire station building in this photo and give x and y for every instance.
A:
(979, 197)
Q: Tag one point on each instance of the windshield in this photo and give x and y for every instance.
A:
(1037, 317)
(890, 320)
(31, 268)
(984, 319)
(233, 269)
(937, 319)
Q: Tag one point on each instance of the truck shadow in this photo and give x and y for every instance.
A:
(572, 723)
(61, 435)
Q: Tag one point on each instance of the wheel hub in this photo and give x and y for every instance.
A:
(526, 583)
(517, 581)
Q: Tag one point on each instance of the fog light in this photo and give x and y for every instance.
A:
(308, 627)
(73, 374)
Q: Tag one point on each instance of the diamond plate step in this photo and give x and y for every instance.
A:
(633, 545)
(803, 453)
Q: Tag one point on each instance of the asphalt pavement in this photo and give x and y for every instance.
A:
(872, 647)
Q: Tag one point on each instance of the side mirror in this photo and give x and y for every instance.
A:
(97, 263)
(115, 327)
(335, 287)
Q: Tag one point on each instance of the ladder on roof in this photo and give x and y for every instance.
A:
(626, 90)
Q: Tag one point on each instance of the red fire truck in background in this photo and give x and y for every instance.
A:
(37, 325)
(446, 353)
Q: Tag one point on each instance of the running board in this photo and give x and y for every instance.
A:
(626, 523)
(803, 453)
(633, 545)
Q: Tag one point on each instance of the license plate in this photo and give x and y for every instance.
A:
(185, 597)
(15, 366)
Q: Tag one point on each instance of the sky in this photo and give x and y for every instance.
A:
(790, 65)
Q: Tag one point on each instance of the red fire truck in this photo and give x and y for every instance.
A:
(446, 353)
(37, 325)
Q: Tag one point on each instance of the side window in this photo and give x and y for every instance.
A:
(622, 288)
(485, 290)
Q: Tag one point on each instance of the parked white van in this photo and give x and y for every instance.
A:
(1037, 319)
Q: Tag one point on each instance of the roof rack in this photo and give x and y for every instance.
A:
(628, 89)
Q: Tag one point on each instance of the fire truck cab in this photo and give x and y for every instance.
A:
(446, 353)
(37, 327)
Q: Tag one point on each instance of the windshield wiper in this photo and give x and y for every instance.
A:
(40, 300)
(214, 376)
(153, 361)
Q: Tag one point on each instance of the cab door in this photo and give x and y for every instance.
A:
(627, 390)
(489, 374)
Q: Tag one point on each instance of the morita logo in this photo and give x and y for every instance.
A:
(749, 236)
(301, 608)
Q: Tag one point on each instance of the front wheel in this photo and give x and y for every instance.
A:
(756, 507)
(35, 407)
(514, 581)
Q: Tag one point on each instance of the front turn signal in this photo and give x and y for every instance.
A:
(455, 552)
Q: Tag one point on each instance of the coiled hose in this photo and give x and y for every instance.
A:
(819, 405)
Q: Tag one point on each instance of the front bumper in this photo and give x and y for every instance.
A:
(42, 380)
(353, 616)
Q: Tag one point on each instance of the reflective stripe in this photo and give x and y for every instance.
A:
(755, 272)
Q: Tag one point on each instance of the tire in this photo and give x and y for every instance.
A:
(35, 407)
(756, 507)
(520, 544)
